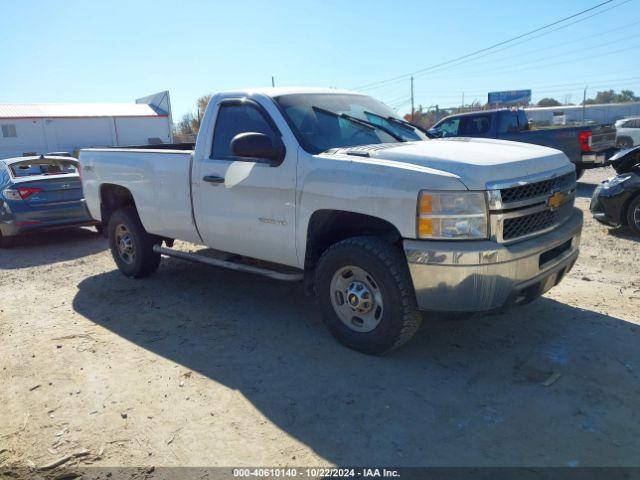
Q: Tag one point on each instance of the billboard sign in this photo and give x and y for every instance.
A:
(511, 97)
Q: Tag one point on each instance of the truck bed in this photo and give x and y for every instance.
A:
(158, 176)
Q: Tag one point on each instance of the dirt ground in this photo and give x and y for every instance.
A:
(200, 366)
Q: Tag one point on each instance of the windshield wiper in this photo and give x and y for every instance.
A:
(403, 123)
(359, 121)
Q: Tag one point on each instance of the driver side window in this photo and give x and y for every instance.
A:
(450, 128)
(234, 119)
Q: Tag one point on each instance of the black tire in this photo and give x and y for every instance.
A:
(7, 242)
(99, 228)
(387, 265)
(632, 221)
(624, 142)
(579, 172)
(142, 260)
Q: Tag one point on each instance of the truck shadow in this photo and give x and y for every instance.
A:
(43, 248)
(585, 190)
(464, 392)
(624, 233)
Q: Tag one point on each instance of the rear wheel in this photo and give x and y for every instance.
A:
(366, 295)
(633, 215)
(131, 246)
(6, 242)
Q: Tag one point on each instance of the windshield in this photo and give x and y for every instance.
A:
(322, 121)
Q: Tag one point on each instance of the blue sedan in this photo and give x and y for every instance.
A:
(38, 193)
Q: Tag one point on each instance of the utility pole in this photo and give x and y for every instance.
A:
(412, 105)
(273, 81)
(584, 103)
(462, 100)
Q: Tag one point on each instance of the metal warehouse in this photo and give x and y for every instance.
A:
(33, 129)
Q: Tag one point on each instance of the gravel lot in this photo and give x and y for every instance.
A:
(206, 367)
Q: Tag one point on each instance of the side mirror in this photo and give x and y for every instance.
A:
(257, 146)
(435, 132)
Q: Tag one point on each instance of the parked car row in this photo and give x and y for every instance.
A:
(331, 188)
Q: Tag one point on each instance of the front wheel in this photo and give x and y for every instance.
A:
(131, 245)
(366, 295)
(633, 215)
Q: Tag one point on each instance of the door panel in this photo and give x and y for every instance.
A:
(243, 206)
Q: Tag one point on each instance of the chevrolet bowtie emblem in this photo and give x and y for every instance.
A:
(557, 200)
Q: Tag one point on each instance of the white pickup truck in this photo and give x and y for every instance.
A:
(331, 188)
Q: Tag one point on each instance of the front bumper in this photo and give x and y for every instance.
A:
(478, 276)
(607, 205)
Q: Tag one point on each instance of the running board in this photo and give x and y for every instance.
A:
(198, 258)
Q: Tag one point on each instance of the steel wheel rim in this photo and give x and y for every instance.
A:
(636, 216)
(125, 244)
(356, 298)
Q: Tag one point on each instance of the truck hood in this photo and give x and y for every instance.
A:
(475, 161)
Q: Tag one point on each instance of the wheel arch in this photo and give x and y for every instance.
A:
(624, 140)
(328, 226)
(112, 198)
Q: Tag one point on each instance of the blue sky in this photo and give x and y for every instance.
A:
(115, 51)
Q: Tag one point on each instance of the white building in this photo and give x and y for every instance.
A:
(567, 114)
(28, 129)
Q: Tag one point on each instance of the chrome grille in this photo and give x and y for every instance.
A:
(528, 224)
(529, 206)
(520, 193)
(514, 225)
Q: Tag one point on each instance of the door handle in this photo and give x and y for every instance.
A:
(213, 179)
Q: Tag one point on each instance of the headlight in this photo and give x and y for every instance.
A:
(615, 181)
(452, 215)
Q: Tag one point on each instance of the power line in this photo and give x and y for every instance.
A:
(438, 70)
(590, 80)
(542, 63)
(471, 54)
(582, 48)
(509, 67)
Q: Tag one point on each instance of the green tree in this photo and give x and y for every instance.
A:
(549, 102)
(610, 96)
(190, 122)
(627, 96)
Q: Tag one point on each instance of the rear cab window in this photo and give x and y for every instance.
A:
(33, 168)
(477, 125)
(508, 122)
